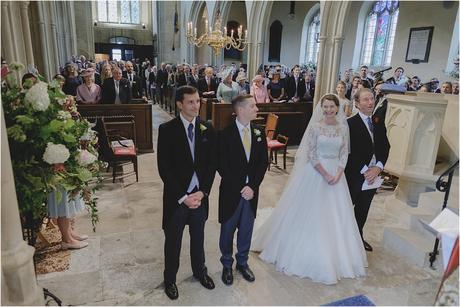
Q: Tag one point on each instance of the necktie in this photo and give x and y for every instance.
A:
(209, 84)
(246, 141)
(369, 123)
(190, 132)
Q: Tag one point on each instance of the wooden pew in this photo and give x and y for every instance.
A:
(293, 117)
(142, 113)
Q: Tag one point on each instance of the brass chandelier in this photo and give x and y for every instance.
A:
(217, 39)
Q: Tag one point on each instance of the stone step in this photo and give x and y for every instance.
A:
(418, 227)
(431, 202)
(409, 244)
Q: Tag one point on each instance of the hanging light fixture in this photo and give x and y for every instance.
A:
(216, 38)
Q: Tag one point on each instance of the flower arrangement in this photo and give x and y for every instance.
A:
(51, 147)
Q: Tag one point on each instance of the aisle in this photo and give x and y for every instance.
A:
(123, 264)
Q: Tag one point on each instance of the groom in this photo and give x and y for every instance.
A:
(368, 146)
(243, 160)
(187, 166)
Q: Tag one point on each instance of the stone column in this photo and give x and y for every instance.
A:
(72, 27)
(43, 39)
(19, 283)
(7, 40)
(26, 32)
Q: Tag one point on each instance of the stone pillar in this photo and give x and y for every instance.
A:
(414, 124)
(7, 40)
(43, 38)
(72, 27)
(19, 283)
(333, 16)
(26, 32)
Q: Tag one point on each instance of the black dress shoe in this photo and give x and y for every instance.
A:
(246, 272)
(367, 246)
(227, 276)
(171, 291)
(207, 282)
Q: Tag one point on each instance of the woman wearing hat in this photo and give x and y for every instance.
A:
(275, 88)
(228, 89)
(259, 91)
(243, 86)
(72, 80)
(88, 92)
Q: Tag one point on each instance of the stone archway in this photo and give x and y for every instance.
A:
(258, 15)
(333, 16)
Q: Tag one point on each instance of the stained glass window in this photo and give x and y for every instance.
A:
(113, 11)
(312, 40)
(380, 33)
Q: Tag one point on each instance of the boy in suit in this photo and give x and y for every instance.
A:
(243, 161)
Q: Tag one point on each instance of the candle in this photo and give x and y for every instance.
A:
(225, 30)
(195, 31)
(206, 24)
(245, 33)
(210, 29)
(232, 33)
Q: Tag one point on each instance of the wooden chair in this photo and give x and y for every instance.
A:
(270, 126)
(280, 143)
(115, 157)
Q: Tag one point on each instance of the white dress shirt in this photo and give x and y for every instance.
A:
(240, 130)
(365, 121)
(194, 182)
(117, 91)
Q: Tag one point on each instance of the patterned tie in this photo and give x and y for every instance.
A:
(370, 124)
(190, 132)
(246, 140)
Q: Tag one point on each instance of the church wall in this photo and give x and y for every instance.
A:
(166, 35)
(238, 13)
(84, 28)
(292, 30)
(411, 15)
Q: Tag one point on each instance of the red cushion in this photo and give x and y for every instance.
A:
(124, 151)
(274, 144)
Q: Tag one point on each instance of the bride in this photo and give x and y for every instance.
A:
(312, 232)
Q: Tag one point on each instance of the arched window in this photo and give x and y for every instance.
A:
(380, 33)
(232, 53)
(274, 48)
(124, 11)
(311, 55)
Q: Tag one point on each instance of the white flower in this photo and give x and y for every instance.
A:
(64, 115)
(56, 153)
(61, 101)
(89, 135)
(85, 158)
(38, 97)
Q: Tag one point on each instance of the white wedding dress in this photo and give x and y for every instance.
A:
(312, 232)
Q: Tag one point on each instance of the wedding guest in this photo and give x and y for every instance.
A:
(28, 80)
(365, 80)
(293, 84)
(259, 91)
(415, 84)
(434, 83)
(60, 79)
(243, 86)
(307, 91)
(116, 89)
(97, 75)
(455, 88)
(398, 77)
(345, 103)
(275, 88)
(354, 87)
(88, 92)
(227, 89)
(152, 84)
(446, 88)
(64, 210)
(207, 86)
(424, 89)
(106, 73)
(72, 80)
(135, 83)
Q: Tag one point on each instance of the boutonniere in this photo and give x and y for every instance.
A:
(203, 128)
(257, 132)
(259, 139)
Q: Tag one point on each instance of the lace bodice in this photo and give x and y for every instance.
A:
(328, 142)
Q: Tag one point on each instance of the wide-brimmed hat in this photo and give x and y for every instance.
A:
(258, 78)
(224, 73)
(87, 72)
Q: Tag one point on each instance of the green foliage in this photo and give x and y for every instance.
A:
(29, 133)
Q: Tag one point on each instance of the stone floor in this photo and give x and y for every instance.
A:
(123, 264)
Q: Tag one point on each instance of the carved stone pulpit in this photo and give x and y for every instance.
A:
(414, 126)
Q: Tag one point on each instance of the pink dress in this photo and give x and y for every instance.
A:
(88, 95)
(260, 94)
